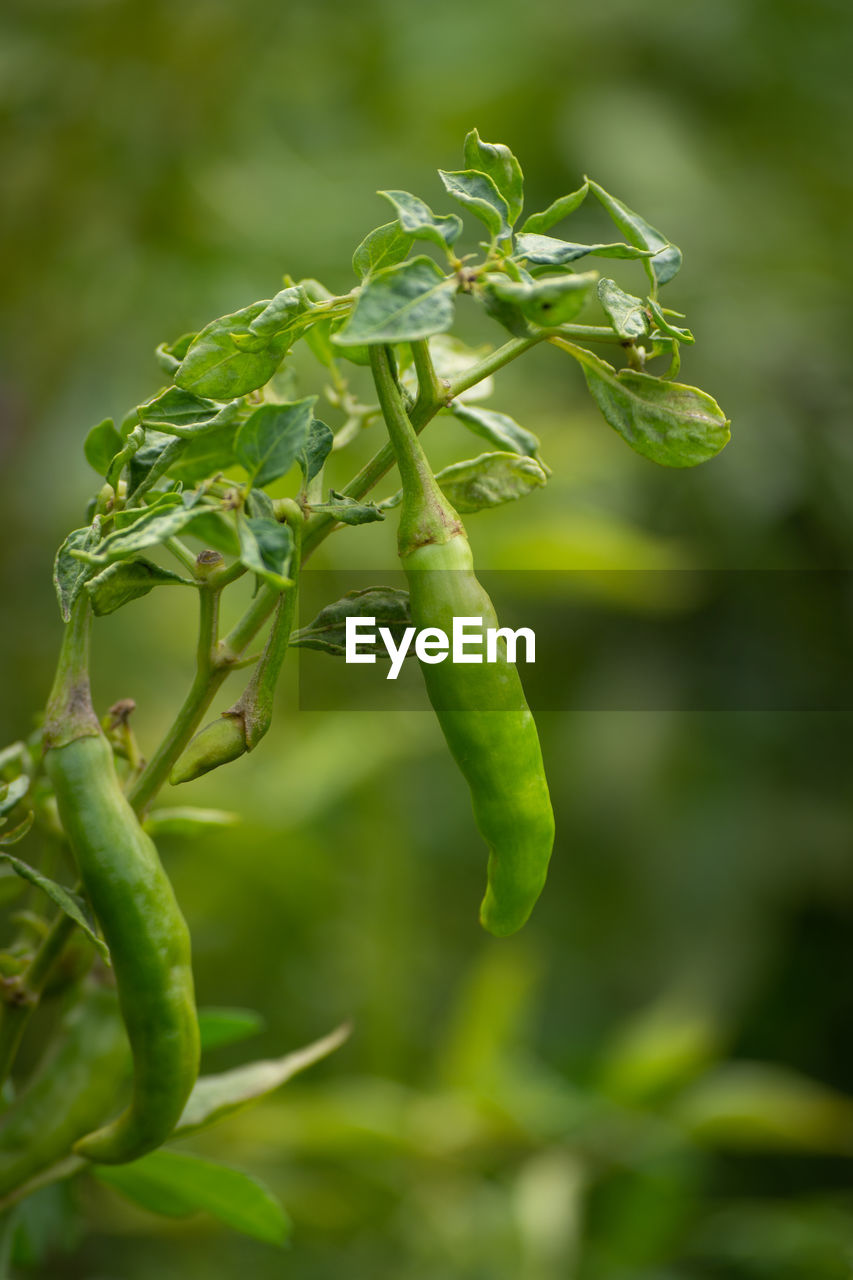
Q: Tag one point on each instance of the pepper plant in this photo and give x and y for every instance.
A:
(183, 502)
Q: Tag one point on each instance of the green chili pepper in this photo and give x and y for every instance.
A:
(481, 707)
(73, 1088)
(134, 902)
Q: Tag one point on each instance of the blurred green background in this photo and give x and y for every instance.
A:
(651, 1081)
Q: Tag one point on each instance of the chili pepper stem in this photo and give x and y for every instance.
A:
(431, 519)
(320, 526)
(69, 713)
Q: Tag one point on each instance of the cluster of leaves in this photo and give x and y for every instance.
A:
(223, 413)
(197, 458)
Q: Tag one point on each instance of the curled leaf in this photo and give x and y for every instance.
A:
(673, 424)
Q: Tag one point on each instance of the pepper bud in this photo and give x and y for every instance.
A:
(219, 742)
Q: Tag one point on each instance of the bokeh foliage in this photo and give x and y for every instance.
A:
(578, 1101)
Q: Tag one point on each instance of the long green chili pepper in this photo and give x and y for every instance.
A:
(74, 1088)
(134, 902)
(481, 707)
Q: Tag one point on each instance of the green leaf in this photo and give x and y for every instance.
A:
(170, 354)
(490, 480)
(674, 425)
(176, 1184)
(498, 163)
(418, 221)
(754, 1106)
(400, 304)
(547, 251)
(128, 580)
(69, 573)
(327, 632)
(101, 445)
(539, 222)
(316, 449)
(384, 247)
(285, 311)
(152, 527)
(216, 363)
(158, 502)
(8, 838)
(348, 510)
(664, 325)
(626, 313)
(151, 462)
(265, 548)
(12, 793)
(477, 193)
(181, 413)
(71, 903)
(271, 439)
(548, 301)
(216, 530)
(667, 257)
(498, 428)
(187, 822)
(217, 1096)
(204, 456)
(220, 1027)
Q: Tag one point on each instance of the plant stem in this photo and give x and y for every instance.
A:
(210, 674)
(22, 993)
(431, 388)
(254, 707)
(426, 515)
(320, 526)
